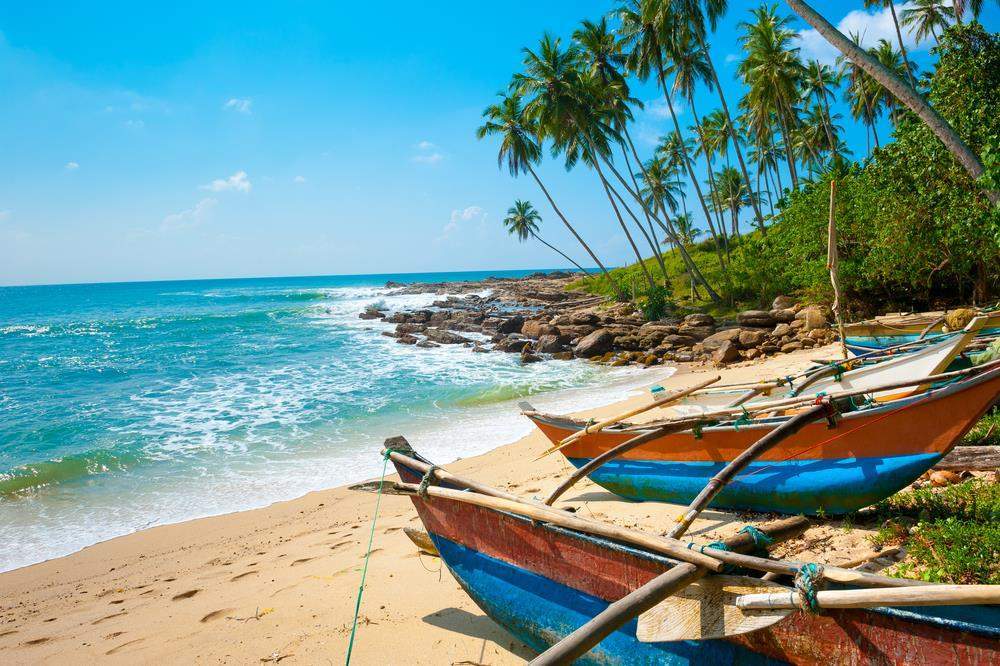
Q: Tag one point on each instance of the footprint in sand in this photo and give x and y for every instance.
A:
(7, 633)
(38, 641)
(339, 545)
(108, 617)
(114, 634)
(301, 561)
(184, 595)
(117, 601)
(242, 575)
(215, 615)
(123, 646)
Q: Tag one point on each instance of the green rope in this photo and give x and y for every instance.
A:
(760, 540)
(655, 389)
(742, 420)
(807, 582)
(364, 570)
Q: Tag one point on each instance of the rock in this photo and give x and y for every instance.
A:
(511, 325)
(941, 478)
(699, 319)
(445, 337)
(813, 316)
(751, 337)
(528, 357)
(769, 349)
(478, 348)
(782, 302)
(550, 344)
(697, 332)
(684, 357)
(678, 340)
(407, 339)
(563, 356)
(756, 319)
(576, 319)
(512, 345)
(808, 343)
(594, 344)
(403, 329)
(781, 330)
(390, 334)
(796, 324)
(714, 341)
(818, 334)
(576, 331)
(783, 316)
(790, 347)
(491, 323)
(751, 354)
(725, 353)
(371, 312)
(627, 342)
(534, 328)
(427, 344)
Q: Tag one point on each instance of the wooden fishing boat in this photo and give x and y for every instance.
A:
(931, 359)
(541, 582)
(891, 330)
(869, 453)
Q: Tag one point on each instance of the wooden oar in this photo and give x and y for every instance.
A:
(716, 484)
(601, 425)
(677, 578)
(723, 606)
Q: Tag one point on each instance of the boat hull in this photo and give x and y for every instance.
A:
(868, 456)
(541, 582)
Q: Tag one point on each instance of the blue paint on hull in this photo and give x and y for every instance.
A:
(794, 486)
(539, 612)
(859, 344)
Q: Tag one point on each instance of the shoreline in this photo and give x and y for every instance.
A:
(279, 582)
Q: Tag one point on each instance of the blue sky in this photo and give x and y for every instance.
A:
(298, 138)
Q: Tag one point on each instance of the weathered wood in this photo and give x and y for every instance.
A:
(707, 609)
(740, 462)
(422, 540)
(971, 458)
(601, 425)
(831, 265)
(937, 595)
(582, 640)
(618, 451)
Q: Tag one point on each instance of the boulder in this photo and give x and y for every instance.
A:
(491, 323)
(782, 303)
(511, 325)
(407, 339)
(403, 329)
(576, 319)
(714, 341)
(550, 344)
(371, 312)
(535, 328)
(769, 348)
(697, 332)
(790, 347)
(781, 330)
(512, 345)
(679, 340)
(445, 337)
(783, 316)
(813, 316)
(629, 342)
(751, 354)
(576, 331)
(594, 344)
(427, 344)
(563, 356)
(478, 348)
(699, 319)
(528, 357)
(751, 337)
(756, 319)
(725, 353)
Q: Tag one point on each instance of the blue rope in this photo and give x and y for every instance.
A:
(760, 540)
(364, 571)
(807, 581)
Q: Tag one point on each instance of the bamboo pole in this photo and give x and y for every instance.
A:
(740, 462)
(617, 451)
(831, 265)
(581, 641)
(936, 595)
(601, 425)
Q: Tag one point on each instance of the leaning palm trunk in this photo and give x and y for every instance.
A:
(711, 183)
(561, 253)
(731, 131)
(786, 138)
(904, 93)
(651, 235)
(614, 285)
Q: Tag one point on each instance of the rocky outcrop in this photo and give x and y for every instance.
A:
(756, 319)
(445, 337)
(595, 344)
(372, 312)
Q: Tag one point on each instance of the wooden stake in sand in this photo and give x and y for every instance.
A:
(831, 265)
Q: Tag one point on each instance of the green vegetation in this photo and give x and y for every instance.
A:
(955, 535)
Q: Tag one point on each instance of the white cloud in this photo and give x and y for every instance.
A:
(189, 217)
(135, 124)
(299, 179)
(238, 182)
(427, 153)
(430, 158)
(460, 215)
(732, 57)
(657, 108)
(870, 26)
(72, 166)
(238, 105)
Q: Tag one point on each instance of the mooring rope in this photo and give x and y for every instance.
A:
(807, 581)
(364, 570)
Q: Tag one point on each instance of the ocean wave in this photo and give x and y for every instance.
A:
(34, 476)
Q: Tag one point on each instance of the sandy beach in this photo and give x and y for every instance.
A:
(279, 583)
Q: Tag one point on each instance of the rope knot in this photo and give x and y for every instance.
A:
(760, 540)
(807, 583)
(425, 482)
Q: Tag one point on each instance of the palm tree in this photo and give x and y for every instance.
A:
(568, 105)
(863, 95)
(641, 30)
(772, 70)
(819, 83)
(691, 12)
(927, 16)
(685, 229)
(522, 221)
(890, 58)
(731, 194)
(899, 34)
(661, 189)
(905, 94)
(520, 149)
(975, 7)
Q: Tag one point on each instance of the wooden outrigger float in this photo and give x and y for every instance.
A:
(890, 330)
(837, 467)
(546, 576)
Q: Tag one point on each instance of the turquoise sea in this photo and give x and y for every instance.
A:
(128, 405)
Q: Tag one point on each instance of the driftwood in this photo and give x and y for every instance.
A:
(971, 458)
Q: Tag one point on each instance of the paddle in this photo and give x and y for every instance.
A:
(601, 425)
(722, 606)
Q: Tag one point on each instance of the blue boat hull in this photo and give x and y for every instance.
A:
(794, 486)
